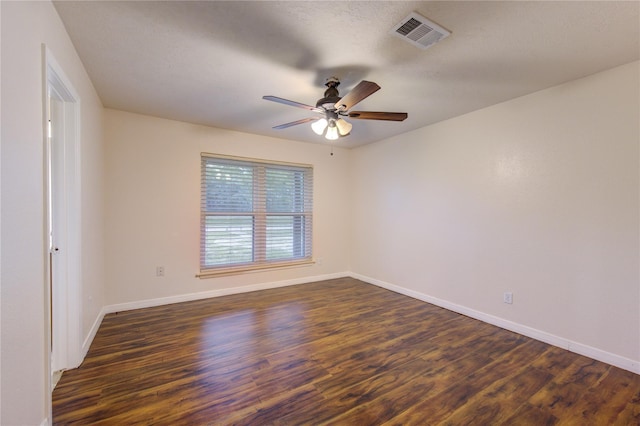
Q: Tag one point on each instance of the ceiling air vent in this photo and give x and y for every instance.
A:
(419, 31)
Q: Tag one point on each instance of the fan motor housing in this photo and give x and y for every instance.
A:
(328, 102)
(331, 95)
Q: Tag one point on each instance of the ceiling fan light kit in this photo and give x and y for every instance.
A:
(332, 131)
(344, 127)
(333, 108)
(319, 126)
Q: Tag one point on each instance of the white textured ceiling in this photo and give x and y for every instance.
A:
(211, 62)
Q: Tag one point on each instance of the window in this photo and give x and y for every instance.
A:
(254, 214)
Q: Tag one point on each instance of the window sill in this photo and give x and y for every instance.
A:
(221, 272)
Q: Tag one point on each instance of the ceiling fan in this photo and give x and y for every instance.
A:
(332, 108)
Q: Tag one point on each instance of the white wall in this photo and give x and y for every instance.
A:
(153, 206)
(538, 196)
(25, 27)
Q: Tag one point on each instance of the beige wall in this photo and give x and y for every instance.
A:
(25, 27)
(537, 196)
(153, 205)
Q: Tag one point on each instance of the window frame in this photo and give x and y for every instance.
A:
(260, 215)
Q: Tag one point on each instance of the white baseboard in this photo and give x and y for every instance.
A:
(576, 347)
(148, 303)
(92, 333)
(45, 422)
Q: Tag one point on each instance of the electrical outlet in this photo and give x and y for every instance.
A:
(159, 271)
(319, 261)
(508, 298)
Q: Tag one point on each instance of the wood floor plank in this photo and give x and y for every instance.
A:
(610, 399)
(385, 406)
(449, 399)
(498, 401)
(528, 415)
(336, 352)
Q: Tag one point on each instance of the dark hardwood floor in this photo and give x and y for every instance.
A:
(334, 352)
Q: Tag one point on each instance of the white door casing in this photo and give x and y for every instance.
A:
(62, 131)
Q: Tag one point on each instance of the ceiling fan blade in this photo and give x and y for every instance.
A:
(357, 94)
(295, 123)
(292, 103)
(371, 115)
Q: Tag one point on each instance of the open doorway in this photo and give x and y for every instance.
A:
(63, 218)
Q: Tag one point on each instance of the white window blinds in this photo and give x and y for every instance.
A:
(254, 214)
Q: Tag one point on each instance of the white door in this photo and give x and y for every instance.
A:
(57, 230)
